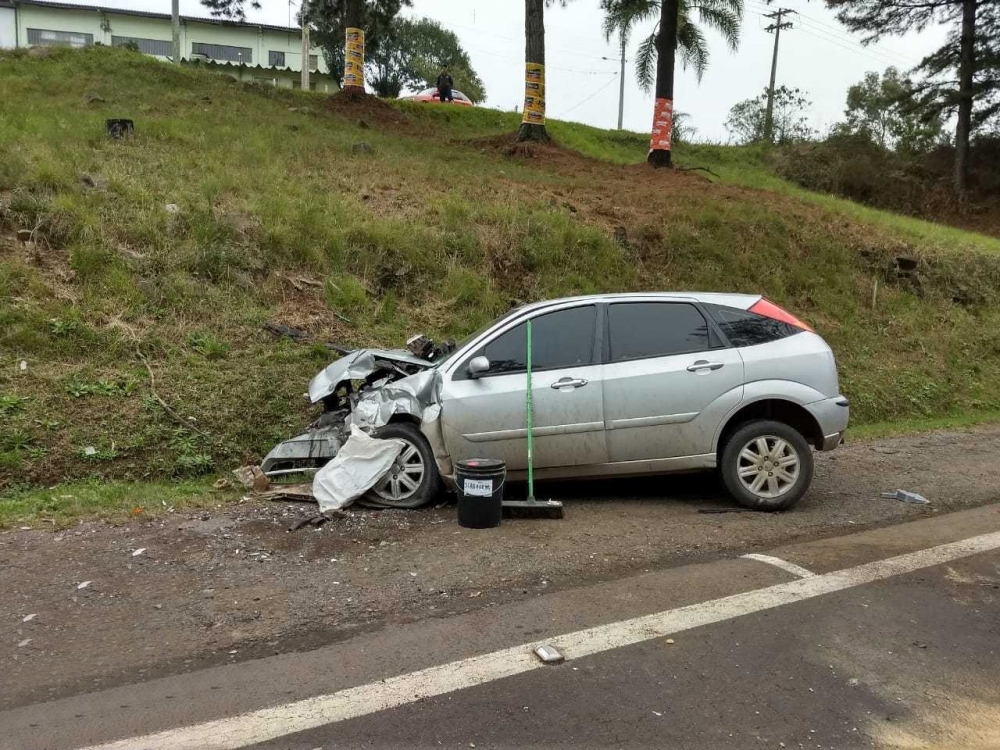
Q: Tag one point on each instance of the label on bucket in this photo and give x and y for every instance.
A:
(479, 487)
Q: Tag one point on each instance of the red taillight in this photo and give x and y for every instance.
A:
(770, 310)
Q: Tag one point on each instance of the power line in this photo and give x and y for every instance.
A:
(581, 103)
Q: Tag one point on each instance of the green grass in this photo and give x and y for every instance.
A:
(227, 211)
(64, 504)
(929, 424)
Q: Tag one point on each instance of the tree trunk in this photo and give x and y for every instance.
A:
(354, 76)
(534, 54)
(663, 116)
(966, 67)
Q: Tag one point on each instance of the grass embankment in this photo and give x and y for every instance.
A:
(234, 206)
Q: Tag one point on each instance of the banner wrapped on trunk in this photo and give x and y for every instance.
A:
(663, 125)
(354, 59)
(534, 94)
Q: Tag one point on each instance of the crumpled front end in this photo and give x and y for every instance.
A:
(367, 389)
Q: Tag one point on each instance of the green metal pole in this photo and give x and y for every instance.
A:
(531, 436)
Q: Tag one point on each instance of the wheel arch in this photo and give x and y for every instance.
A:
(781, 410)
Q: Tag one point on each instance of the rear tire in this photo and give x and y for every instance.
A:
(428, 482)
(766, 465)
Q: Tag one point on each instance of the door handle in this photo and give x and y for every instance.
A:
(704, 364)
(569, 383)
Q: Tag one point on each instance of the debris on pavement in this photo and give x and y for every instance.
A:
(294, 492)
(318, 520)
(24, 643)
(252, 478)
(713, 511)
(549, 654)
(906, 497)
(29, 618)
(84, 585)
(138, 552)
(357, 467)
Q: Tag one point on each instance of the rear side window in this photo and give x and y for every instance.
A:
(559, 339)
(744, 328)
(655, 329)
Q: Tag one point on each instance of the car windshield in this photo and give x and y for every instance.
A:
(471, 337)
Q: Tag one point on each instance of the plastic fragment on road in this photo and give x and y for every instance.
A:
(84, 585)
(549, 654)
(29, 618)
(138, 551)
(906, 497)
(358, 467)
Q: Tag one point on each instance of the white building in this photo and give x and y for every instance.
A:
(246, 51)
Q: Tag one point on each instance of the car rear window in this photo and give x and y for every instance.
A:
(744, 328)
(656, 329)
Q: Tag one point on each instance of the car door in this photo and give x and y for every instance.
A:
(668, 382)
(485, 416)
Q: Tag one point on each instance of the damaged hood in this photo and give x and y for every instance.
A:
(358, 366)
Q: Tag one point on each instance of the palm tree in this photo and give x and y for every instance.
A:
(654, 61)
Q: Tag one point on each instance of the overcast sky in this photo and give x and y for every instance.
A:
(818, 56)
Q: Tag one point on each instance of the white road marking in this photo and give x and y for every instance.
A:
(788, 567)
(279, 721)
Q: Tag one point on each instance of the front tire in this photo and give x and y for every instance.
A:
(414, 479)
(766, 465)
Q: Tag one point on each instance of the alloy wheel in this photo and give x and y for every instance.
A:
(404, 476)
(768, 466)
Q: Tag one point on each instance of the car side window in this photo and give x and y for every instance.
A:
(564, 338)
(640, 330)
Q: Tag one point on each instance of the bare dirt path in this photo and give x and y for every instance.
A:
(235, 584)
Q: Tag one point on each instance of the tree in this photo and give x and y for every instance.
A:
(746, 119)
(962, 77)
(675, 31)
(234, 10)
(330, 20)
(883, 109)
(533, 121)
(412, 53)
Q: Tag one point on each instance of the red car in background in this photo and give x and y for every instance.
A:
(431, 95)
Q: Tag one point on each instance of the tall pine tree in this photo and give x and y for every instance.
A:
(962, 77)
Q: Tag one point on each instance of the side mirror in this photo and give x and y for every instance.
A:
(478, 366)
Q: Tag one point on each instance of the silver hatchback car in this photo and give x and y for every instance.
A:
(623, 385)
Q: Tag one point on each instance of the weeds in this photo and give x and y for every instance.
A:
(208, 344)
(11, 404)
(79, 388)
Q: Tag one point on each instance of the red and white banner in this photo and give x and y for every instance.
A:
(663, 125)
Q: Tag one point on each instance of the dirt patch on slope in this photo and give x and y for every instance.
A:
(367, 109)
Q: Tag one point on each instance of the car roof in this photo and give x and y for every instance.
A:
(739, 301)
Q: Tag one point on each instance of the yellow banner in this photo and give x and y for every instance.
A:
(354, 58)
(534, 94)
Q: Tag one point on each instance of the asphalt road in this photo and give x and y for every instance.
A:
(886, 638)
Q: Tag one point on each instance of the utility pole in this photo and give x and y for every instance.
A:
(776, 27)
(175, 22)
(305, 52)
(621, 87)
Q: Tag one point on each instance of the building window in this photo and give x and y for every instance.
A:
(156, 47)
(46, 38)
(313, 62)
(224, 53)
(276, 59)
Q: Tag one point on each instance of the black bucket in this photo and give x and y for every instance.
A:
(480, 492)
